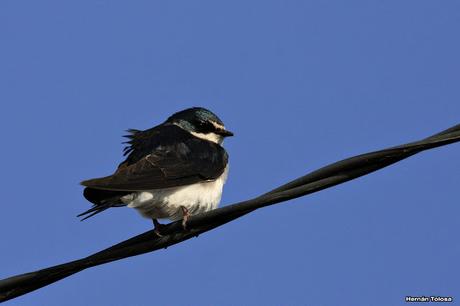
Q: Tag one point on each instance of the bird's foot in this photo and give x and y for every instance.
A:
(186, 215)
(157, 227)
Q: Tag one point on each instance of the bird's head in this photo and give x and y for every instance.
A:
(201, 123)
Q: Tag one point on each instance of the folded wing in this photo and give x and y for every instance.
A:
(161, 163)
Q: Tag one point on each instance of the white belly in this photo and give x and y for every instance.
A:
(166, 203)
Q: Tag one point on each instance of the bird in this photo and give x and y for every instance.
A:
(171, 171)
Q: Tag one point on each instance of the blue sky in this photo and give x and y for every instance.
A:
(301, 83)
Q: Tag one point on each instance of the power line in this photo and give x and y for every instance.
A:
(174, 233)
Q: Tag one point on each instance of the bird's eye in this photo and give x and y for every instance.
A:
(204, 127)
(199, 124)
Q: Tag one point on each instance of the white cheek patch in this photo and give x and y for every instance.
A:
(209, 136)
(218, 126)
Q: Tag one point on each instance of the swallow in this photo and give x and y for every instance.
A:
(171, 171)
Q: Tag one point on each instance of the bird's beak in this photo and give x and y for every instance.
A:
(224, 133)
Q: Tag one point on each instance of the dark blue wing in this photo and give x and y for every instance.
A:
(162, 157)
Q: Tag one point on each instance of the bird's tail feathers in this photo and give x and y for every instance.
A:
(102, 200)
(98, 208)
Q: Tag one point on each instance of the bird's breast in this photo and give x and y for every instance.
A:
(166, 203)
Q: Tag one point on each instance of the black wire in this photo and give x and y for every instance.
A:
(173, 233)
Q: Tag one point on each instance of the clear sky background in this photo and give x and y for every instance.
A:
(301, 83)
